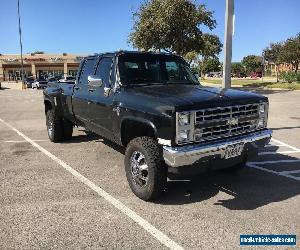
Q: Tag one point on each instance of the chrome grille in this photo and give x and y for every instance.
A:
(221, 122)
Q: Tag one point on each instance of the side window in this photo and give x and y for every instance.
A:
(103, 70)
(87, 69)
(172, 70)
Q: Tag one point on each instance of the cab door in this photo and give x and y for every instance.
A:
(100, 108)
(81, 94)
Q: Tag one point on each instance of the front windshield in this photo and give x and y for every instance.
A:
(154, 69)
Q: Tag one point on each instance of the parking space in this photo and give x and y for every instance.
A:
(279, 158)
(75, 194)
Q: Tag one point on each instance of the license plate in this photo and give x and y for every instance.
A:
(234, 150)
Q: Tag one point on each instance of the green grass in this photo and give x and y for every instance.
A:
(285, 85)
(256, 83)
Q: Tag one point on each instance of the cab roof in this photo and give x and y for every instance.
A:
(124, 52)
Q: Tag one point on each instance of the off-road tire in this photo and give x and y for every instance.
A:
(157, 170)
(54, 126)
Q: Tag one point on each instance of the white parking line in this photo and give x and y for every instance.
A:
(249, 164)
(157, 234)
(23, 141)
(291, 172)
(272, 162)
(278, 152)
(287, 174)
(286, 145)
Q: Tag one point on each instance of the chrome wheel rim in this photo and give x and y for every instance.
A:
(139, 169)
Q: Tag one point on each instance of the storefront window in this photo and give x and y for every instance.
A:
(72, 72)
(50, 73)
(15, 75)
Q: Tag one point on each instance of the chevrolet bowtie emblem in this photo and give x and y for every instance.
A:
(233, 121)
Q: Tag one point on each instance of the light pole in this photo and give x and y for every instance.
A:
(263, 67)
(21, 46)
(226, 82)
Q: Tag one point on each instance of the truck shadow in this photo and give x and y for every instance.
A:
(82, 138)
(246, 190)
(97, 138)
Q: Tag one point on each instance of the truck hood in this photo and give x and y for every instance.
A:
(184, 97)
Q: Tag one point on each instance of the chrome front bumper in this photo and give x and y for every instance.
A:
(187, 155)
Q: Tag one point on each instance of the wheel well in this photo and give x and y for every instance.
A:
(131, 129)
(48, 105)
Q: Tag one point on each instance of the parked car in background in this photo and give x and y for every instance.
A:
(68, 79)
(28, 81)
(52, 79)
(214, 74)
(39, 83)
(256, 74)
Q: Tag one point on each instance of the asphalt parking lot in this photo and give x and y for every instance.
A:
(74, 195)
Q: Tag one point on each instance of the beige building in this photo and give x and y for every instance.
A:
(283, 67)
(37, 65)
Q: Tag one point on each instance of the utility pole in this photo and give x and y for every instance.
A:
(263, 67)
(226, 82)
(21, 46)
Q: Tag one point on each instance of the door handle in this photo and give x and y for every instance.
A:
(76, 87)
(92, 90)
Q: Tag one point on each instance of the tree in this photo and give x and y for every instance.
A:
(39, 52)
(211, 49)
(192, 58)
(291, 51)
(170, 25)
(237, 68)
(210, 65)
(273, 54)
(252, 63)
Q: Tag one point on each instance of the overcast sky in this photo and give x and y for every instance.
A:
(90, 26)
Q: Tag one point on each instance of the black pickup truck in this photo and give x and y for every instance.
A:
(153, 105)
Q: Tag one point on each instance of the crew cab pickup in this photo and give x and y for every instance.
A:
(152, 105)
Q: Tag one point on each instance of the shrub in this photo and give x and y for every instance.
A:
(290, 77)
(298, 77)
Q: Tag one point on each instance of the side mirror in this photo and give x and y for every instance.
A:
(95, 82)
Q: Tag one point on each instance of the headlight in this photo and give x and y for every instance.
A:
(262, 108)
(263, 115)
(184, 118)
(185, 127)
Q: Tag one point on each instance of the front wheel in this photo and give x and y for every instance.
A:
(145, 169)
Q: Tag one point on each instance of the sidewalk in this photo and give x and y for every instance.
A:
(11, 85)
